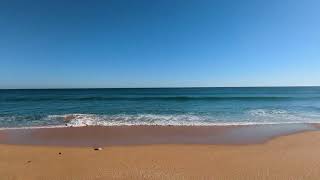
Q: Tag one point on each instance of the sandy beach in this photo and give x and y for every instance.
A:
(293, 156)
(159, 90)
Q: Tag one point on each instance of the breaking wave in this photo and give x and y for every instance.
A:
(129, 120)
(255, 117)
(249, 117)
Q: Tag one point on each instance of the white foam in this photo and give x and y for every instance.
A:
(129, 120)
(267, 112)
(79, 120)
(33, 127)
(255, 117)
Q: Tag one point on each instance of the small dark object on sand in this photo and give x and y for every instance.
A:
(60, 153)
(97, 149)
(28, 161)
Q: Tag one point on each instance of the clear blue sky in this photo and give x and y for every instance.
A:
(159, 43)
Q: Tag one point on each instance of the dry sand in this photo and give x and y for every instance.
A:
(288, 157)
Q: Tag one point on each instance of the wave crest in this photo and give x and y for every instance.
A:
(256, 117)
(250, 117)
(268, 112)
(124, 119)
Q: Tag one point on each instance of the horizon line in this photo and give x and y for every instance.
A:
(172, 87)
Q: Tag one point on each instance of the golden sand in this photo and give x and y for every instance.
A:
(288, 157)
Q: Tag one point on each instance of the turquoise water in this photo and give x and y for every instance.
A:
(159, 106)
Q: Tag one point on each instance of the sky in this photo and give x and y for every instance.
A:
(159, 43)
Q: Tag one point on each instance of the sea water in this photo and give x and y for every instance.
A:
(159, 106)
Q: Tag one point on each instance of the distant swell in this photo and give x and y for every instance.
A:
(157, 98)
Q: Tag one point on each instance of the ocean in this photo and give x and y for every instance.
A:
(159, 106)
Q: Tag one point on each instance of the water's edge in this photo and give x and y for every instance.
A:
(94, 136)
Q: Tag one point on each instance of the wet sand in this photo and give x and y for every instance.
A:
(291, 156)
(144, 135)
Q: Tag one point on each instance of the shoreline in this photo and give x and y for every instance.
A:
(240, 124)
(93, 136)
